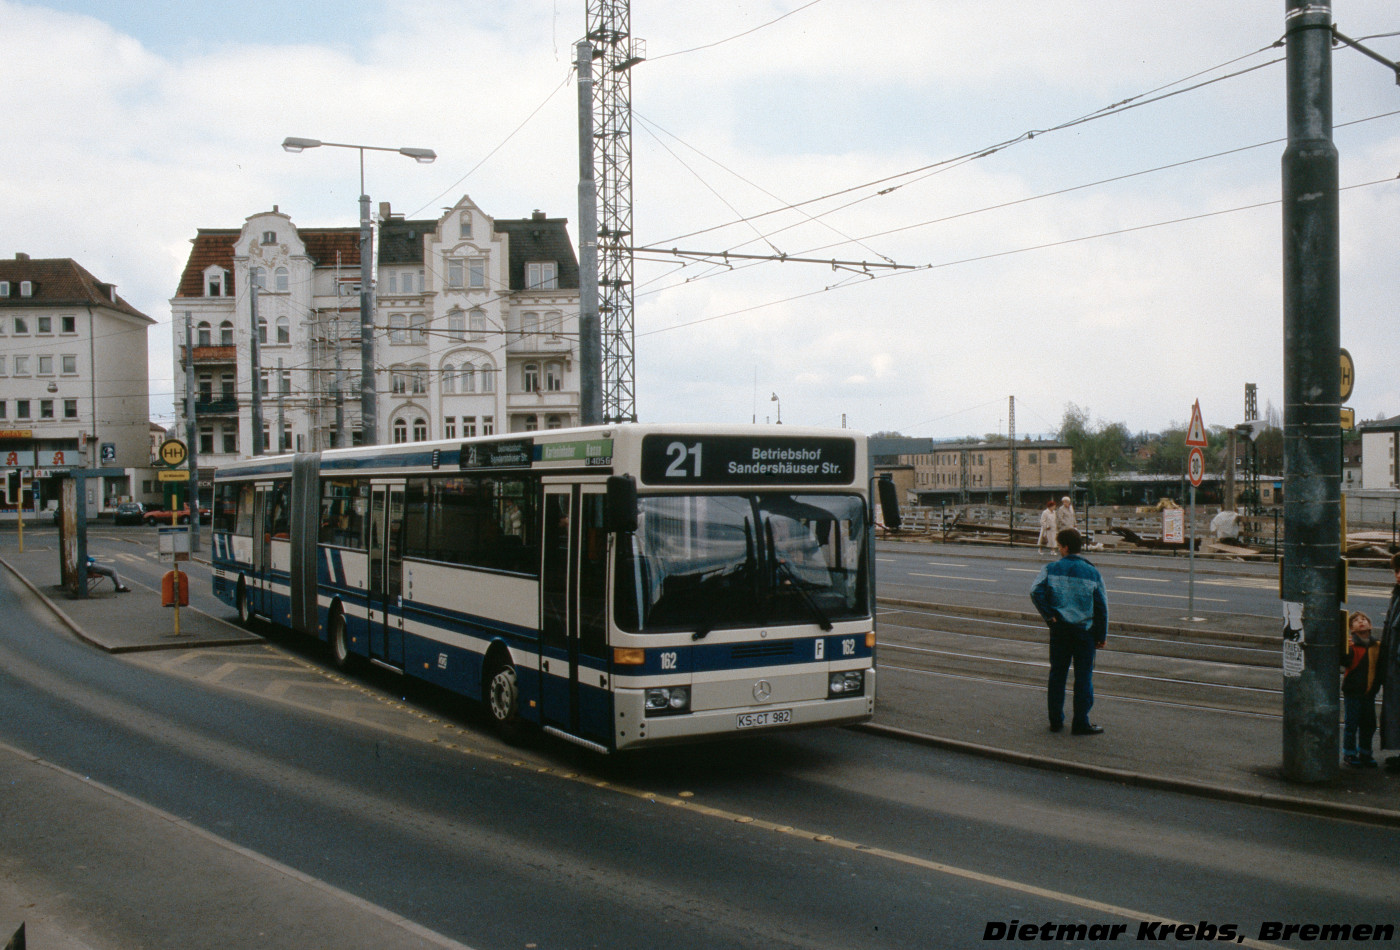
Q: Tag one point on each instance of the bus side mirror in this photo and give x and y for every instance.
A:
(889, 501)
(620, 506)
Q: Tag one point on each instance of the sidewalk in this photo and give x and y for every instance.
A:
(1230, 756)
(120, 623)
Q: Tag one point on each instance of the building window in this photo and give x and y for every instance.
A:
(2, 364)
(286, 382)
(68, 324)
(488, 378)
(554, 323)
(262, 331)
(45, 326)
(488, 425)
(553, 377)
(21, 408)
(269, 237)
(281, 279)
(400, 432)
(46, 366)
(529, 323)
(206, 440)
(397, 332)
(449, 427)
(262, 388)
(456, 324)
(1030, 458)
(464, 227)
(284, 330)
(26, 288)
(214, 284)
(449, 379)
(554, 422)
(203, 334)
(532, 423)
(420, 429)
(226, 384)
(418, 329)
(530, 373)
(1050, 458)
(476, 272)
(45, 408)
(226, 333)
(398, 380)
(4, 288)
(454, 273)
(230, 437)
(3, 409)
(469, 427)
(468, 378)
(478, 323)
(542, 275)
(21, 366)
(419, 379)
(21, 326)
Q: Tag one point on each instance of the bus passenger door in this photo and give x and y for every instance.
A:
(262, 551)
(576, 696)
(386, 575)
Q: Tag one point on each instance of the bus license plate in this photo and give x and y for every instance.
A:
(769, 717)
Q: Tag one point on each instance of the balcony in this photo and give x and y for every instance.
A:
(538, 344)
(212, 354)
(209, 406)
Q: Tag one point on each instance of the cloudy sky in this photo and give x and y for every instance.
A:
(1128, 265)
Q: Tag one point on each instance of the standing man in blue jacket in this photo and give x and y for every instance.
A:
(1070, 595)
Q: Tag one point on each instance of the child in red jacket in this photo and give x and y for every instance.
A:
(1361, 681)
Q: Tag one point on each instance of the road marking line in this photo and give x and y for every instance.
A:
(954, 577)
(1145, 580)
(1143, 593)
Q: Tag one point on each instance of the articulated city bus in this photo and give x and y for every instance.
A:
(618, 586)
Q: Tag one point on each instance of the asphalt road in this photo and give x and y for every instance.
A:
(248, 796)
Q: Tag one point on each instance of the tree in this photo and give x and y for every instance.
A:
(1099, 448)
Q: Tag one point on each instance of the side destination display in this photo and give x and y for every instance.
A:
(732, 460)
(527, 453)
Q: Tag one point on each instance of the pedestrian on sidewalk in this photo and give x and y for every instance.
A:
(1070, 595)
(94, 568)
(1390, 672)
(1064, 515)
(1048, 528)
(1361, 681)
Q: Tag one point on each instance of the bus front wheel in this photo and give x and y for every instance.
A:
(503, 699)
(340, 643)
(245, 614)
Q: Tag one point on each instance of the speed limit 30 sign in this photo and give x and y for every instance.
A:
(1196, 465)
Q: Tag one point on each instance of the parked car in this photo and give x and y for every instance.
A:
(129, 512)
(178, 516)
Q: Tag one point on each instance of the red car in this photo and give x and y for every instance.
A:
(179, 516)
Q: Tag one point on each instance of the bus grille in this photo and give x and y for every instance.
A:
(749, 651)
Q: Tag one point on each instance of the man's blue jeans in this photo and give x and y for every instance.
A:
(1071, 645)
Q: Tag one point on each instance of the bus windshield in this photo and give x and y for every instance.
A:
(705, 562)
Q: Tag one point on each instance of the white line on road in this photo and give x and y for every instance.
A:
(1144, 593)
(954, 577)
(1145, 580)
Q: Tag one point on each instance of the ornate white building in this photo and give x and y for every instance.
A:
(476, 329)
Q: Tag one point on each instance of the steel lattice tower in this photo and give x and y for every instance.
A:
(615, 52)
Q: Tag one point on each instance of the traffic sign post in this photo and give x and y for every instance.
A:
(1195, 471)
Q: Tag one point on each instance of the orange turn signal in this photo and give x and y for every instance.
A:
(629, 656)
(870, 640)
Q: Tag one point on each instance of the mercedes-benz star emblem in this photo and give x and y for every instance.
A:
(762, 690)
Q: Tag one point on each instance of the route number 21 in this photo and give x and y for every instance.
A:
(678, 452)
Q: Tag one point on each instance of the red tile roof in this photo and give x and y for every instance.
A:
(215, 246)
(59, 282)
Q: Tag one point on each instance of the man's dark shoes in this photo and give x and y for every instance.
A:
(1088, 729)
(1057, 727)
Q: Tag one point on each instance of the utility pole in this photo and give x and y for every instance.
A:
(369, 400)
(1312, 401)
(281, 409)
(590, 356)
(339, 391)
(255, 364)
(191, 437)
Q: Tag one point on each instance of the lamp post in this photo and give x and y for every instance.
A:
(780, 408)
(369, 406)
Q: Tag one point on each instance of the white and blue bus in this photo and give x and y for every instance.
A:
(618, 586)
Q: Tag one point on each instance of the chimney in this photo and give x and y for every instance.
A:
(383, 211)
(21, 256)
(538, 215)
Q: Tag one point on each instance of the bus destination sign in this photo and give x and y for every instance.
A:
(736, 460)
(517, 453)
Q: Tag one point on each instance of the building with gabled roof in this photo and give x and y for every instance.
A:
(476, 329)
(74, 392)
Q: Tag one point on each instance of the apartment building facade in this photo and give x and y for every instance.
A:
(475, 330)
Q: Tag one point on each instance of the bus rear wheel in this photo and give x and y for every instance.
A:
(503, 699)
(340, 643)
(245, 614)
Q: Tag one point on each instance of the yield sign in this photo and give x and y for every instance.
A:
(1196, 434)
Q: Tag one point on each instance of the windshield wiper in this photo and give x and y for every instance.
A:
(800, 586)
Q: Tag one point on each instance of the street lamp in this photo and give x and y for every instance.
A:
(369, 407)
(780, 408)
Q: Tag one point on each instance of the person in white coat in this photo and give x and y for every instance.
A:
(1064, 515)
(1049, 527)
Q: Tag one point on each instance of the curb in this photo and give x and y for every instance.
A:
(174, 644)
(1290, 803)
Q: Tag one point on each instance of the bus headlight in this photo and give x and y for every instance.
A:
(849, 683)
(667, 700)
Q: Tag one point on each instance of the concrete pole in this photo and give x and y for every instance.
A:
(339, 391)
(255, 367)
(1312, 398)
(281, 410)
(590, 339)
